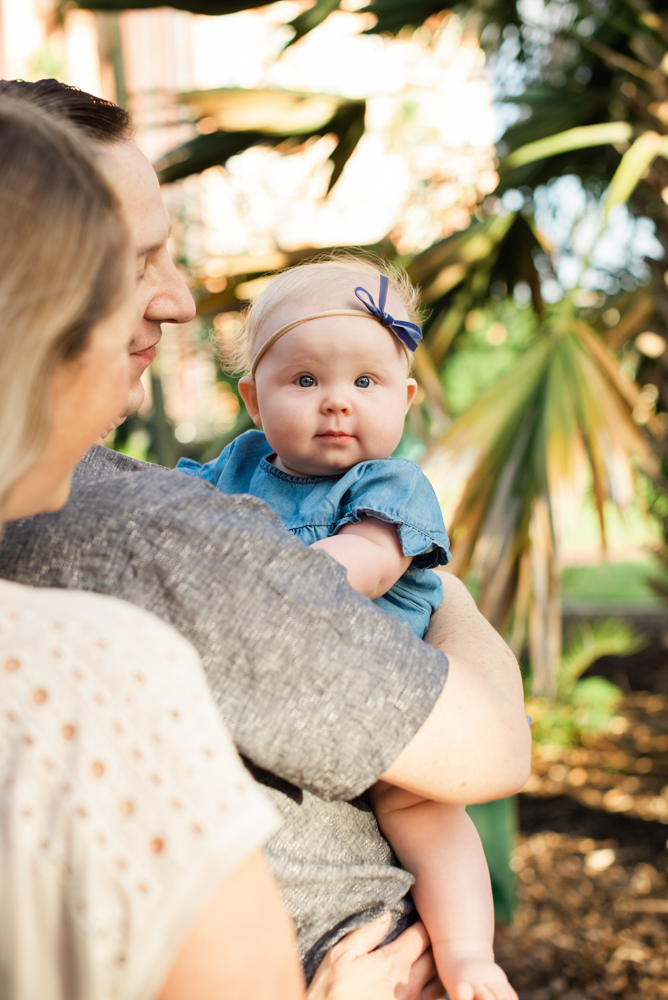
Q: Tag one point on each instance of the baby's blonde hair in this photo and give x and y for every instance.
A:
(318, 273)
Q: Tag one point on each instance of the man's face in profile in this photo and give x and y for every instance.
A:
(162, 296)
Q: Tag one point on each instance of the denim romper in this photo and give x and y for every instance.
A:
(315, 507)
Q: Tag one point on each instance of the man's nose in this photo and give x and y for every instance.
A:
(171, 301)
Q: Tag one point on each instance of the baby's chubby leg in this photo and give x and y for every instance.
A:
(439, 845)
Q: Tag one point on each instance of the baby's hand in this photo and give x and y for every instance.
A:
(468, 971)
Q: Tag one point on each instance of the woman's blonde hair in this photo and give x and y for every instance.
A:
(63, 267)
(311, 276)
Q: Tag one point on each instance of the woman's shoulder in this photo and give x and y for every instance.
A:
(78, 614)
(99, 659)
(114, 766)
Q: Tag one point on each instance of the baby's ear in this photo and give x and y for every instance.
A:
(248, 393)
(411, 389)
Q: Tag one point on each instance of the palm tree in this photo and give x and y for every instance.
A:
(567, 402)
(247, 118)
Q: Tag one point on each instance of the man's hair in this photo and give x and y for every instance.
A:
(64, 267)
(100, 120)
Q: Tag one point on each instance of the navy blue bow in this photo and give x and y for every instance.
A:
(408, 333)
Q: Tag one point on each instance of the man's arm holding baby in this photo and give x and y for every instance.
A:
(484, 682)
(371, 553)
(451, 759)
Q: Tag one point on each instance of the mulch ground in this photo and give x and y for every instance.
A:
(592, 919)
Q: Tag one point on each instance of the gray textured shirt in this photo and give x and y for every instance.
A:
(319, 689)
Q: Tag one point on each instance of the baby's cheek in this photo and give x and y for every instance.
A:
(284, 425)
(291, 421)
(388, 425)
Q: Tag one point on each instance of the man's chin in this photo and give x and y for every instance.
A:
(135, 399)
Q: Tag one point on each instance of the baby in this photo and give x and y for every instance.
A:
(329, 385)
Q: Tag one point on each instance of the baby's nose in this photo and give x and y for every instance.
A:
(337, 402)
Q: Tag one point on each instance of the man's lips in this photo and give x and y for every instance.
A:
(146, 356)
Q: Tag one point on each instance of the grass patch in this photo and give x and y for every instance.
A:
(623, 583)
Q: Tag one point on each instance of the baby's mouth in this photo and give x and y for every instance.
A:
(339, 436)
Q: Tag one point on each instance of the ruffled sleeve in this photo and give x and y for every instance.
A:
(397, 491)
(210, 472)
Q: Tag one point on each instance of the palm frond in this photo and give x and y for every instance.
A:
(581, 137)
(633, 318)
(248, 118)
(633, 165)
(212, 7)
(552, 111)
(588, 642)
(311, 18)
(455, 274)
(562, 413)
(393, 15)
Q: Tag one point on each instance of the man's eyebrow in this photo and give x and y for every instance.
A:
(145, 251)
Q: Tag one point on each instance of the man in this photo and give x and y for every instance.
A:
(322, 693)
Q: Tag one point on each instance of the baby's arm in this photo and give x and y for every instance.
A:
(371, 553)
(435, 842)
(440, 846)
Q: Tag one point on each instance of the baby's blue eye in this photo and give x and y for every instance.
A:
(363, 382)
(306, 381)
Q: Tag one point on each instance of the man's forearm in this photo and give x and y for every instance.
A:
(475, 745)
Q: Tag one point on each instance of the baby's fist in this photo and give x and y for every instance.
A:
(468, 972)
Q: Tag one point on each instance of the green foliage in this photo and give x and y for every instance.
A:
(475, 363)
(263, 117)
(311, 18)
(594, 701)
(583, 708)
(48, 62)
(564, 405)
(557, 413)
(211, 7)
(590, 641)
(393, 15)
(588, 713)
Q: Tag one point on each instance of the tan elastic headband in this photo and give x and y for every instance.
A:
(305, 319)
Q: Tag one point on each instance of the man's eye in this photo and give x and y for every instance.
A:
(363, 382)
(306, 381)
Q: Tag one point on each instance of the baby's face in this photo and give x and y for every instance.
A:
(333, 392)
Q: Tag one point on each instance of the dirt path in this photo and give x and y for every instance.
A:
(593, 913)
